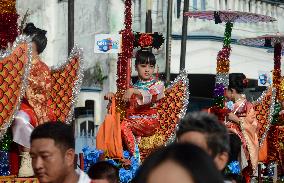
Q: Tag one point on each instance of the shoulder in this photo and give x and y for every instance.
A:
(83, 177)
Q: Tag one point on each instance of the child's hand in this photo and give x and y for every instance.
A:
(109, 96)
(127, 95)
(233, 117)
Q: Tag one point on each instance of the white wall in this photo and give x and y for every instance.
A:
(201, 58)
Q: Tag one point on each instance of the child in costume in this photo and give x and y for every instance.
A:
(142, 121)
(35, 108)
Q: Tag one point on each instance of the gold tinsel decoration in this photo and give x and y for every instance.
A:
(7, 6)
(223, 66)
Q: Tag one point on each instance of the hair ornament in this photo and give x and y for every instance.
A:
(148, 40)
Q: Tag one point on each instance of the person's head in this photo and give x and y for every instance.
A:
(237, 83)
(205, 131)
(145, 62)
(52, 151)
(104, 172)
(183, 163)
(38, 36)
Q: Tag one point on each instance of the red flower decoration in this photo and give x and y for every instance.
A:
(145, 40)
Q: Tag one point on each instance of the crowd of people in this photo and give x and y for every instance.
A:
(200, 154)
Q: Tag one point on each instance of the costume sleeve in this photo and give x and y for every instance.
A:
(152, 94)
(38, 90)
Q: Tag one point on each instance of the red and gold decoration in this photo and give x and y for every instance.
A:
(264, 108)
(124, 58)
(14, 68)
(171, 108)
(66, 83)
(276, 146)
(8, 22)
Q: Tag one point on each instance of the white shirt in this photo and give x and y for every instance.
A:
(83, 177)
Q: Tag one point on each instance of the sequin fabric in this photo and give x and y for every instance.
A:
(142, 120)
(38, 93)
(169, 109)
(63, 87)
(11, 74)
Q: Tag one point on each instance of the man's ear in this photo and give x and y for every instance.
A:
(70, 157)
(221, 160)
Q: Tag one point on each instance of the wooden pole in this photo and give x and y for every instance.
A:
(184, 35)
(169, 40)
(70, 25)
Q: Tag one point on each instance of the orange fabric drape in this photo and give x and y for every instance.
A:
(262, 154)
(109, 134)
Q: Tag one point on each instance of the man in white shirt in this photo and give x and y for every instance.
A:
(53, 153)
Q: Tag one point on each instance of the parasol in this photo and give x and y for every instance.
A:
(223, 62)
(276, 41)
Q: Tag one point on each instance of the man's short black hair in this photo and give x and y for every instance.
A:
(61, 133)
(216, 133)
(104, 170)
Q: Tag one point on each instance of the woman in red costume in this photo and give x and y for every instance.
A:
(243, 122)
(143, 120)
(35, 108)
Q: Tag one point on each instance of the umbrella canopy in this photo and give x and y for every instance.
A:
(230, 16)
(276, 41)
(265, 40)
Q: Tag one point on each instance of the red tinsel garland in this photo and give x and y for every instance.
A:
(127, 49)
(277, 68)
(124, 59)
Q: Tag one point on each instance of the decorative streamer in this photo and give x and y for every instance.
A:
(124, 59)
(277, 68)
(222, 74)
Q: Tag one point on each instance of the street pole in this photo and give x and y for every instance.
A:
(184, 35)
(70, 25)
(148, 23)
(169, 40)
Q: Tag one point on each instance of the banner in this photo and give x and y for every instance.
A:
(264, 78)
(107, 43)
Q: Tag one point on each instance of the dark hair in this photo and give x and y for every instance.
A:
(37, 35)
(237, 82)
(192, 158)
(104, 170)
(145, 57)
(61, 133)
(217, 136)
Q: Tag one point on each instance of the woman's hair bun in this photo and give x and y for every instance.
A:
(30, 29)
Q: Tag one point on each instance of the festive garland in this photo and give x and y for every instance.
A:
(277, 68)
(8, 22)
(127, 166)
(222, 75)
